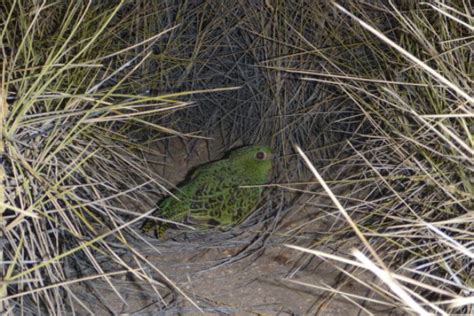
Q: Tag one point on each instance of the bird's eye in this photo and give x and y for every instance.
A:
(260, 155)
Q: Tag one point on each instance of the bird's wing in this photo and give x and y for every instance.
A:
(211, 190)
(223, 203)
(212, 197)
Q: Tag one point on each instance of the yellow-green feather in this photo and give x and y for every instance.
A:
(214, 196)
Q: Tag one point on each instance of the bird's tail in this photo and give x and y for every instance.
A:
(167, 210)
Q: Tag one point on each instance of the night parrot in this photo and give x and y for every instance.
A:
(213, 197)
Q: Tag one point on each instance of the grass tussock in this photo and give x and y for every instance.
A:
(377, 97)
(69, 102)
(411, 77)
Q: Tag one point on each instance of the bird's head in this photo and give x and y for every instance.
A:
(255, 160)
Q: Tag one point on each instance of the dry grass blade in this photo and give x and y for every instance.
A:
(416, 60)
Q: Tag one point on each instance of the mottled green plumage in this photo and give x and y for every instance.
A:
(214, 196)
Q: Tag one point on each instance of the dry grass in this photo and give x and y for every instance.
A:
(414, 170)
(377, 96)
(68, 105)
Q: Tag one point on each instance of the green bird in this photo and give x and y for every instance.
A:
(214, 196)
